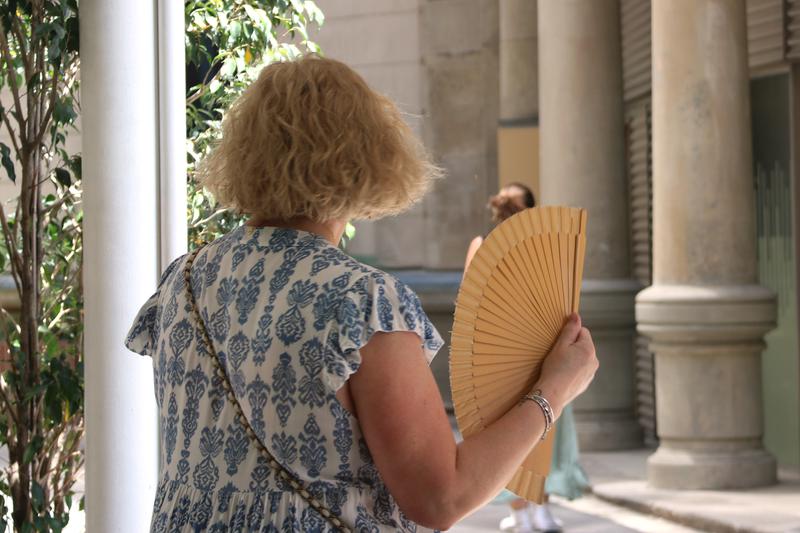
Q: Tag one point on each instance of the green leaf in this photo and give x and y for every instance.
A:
(7, 162)
(234, 32)
(31, 449)
(76, 166)
(63, 177)
(64, 112)
(214, 86)
(250, 12)
(56, 525)
(37, 495)
(228, 68)
(73, 35)
(54, 51)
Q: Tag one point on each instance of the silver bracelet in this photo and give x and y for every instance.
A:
(541, 401)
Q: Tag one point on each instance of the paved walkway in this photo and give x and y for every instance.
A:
(622, 502)
(619, 477)
(586, 515)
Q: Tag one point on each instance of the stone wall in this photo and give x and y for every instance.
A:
(438, 60)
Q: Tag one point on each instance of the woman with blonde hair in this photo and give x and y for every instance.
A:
(292, 381)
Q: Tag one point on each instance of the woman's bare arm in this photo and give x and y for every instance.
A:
(400, 410)
(472, 250)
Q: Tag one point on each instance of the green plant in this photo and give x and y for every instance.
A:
(227, 44)
(41, 390)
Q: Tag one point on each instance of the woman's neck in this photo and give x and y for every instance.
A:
(331, 230)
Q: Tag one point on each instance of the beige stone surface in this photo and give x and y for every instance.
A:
(703, 215)
(459, 127)
(370, 38)
(620, 478)
(707, 344)
(361, 8)
(704, 313)
(604, 414)
(519, 61)
(439, 61)
(581, 122)
(582, 164)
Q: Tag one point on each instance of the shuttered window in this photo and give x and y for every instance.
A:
(765, 33)
(639, 150)
(792, 29)
(636, 64)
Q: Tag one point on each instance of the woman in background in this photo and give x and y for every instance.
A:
(566, 477)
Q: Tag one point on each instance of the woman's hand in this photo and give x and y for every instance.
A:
(434, 481)
(569, 367)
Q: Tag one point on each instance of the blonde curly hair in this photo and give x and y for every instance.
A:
(309, 138)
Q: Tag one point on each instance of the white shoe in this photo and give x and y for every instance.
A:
(543, 520)
(518, 522)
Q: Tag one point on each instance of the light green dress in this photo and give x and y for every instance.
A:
(566, 478)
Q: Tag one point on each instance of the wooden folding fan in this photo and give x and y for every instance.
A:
(522, 284)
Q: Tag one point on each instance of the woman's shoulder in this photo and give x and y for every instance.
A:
(331, 264)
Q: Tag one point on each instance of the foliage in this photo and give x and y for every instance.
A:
(41, 389)
(227, 44)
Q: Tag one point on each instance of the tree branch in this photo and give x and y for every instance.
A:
(15, 27)
(13, 137)
(5, 53)
(61, 294)
(47, 114)
(203, 85)
(13, 252)
(9, 406)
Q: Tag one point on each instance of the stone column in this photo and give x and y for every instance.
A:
(583, 164)
(705, 314)
(519, 89)
(518, 127)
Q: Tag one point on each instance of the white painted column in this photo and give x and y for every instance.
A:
(172, 131)
(120, 178)
(583, 164)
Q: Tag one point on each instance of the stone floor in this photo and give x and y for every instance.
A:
(619, 478)
(586, 515)
(622, 502)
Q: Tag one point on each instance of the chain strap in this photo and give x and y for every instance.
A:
(279, 469)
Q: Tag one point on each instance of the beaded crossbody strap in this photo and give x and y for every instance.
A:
(279, 469)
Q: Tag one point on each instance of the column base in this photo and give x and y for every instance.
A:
(707, 342)
(712, 469)
(605, 417)
(604, 432)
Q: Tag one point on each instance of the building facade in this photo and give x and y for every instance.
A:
(675, 124)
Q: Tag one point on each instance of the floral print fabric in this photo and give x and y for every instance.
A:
(287, 313)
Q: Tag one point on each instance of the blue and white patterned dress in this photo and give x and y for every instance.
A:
(287, 313)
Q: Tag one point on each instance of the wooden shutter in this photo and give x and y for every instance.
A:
(636, 48)
(639, 150)
(765, 33)
(792, 29)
